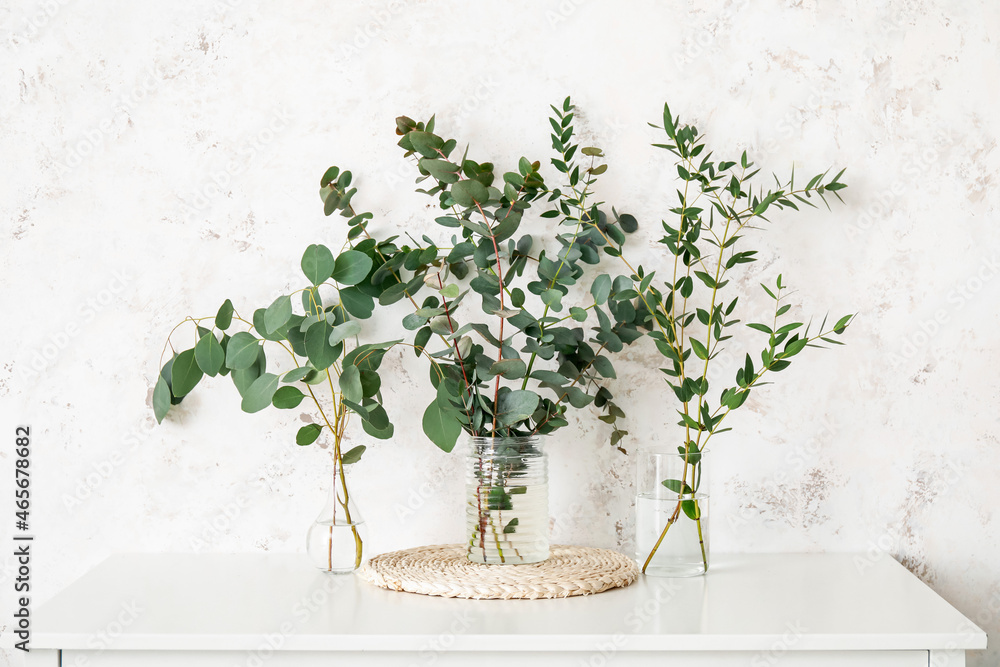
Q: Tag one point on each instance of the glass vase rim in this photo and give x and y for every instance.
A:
(491, 439)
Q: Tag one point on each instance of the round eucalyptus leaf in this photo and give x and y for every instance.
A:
(515, 406)
(242, 351)
(511, 369)
(413, 321)
(441, 426)
(351, 267)
(442, 170)
(317, 263)
(601, 289)
(344, 331)
(244, 377)
(286, 398)
(371, 382)
(278, 313)
(425, 143)
(383, 433)
(377, 417)
(265, 332)
(469, 193)
(307, 434)
(260, 393)
(321, 354)
(628, 223)
(357, 303)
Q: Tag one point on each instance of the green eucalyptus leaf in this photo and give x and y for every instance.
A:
(357, 303)
(578, 398)
(442, 170)
(320, 353)
(244, 377)
(286, 398)
(352, 455)
(258, 396)
(377, 425)
(469, 193)
(308, 434)
(161, 399)
(371, 383)
(512, 369)
(350, 384)
(425, 143)
(549, 377)
(421, 339)
(552, 298)
(278, 313)
(297, 374)
(263, 330)
(317, 263)
(377, 417)
(441, 325)
(516, 406)
(604, 366)
(344, 331)
(351, 267)
(441, 426)
(601, 289)
(368, 357)
(209, 354)
(185, 373)
(224, 317)
(628, 223)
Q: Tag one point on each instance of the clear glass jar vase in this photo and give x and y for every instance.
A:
(335, 541)
(671, 509)
(507, 515)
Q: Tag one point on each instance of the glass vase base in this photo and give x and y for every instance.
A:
(675, 570)
(335, 548)
(509, 555)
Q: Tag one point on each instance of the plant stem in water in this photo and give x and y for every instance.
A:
(701, 538)
(670, 522)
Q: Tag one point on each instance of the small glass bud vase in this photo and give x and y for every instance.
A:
(671, 509)
(507, 516)
(335, 541)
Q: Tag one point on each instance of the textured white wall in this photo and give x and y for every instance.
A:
(117, 118)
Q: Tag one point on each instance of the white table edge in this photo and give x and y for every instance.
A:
(523, 643)
(967, 637)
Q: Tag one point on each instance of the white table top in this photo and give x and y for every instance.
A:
(746, 602)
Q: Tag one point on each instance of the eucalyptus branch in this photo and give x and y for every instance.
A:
(738, 203)
(466, 189)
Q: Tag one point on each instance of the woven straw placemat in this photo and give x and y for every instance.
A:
(443, 570)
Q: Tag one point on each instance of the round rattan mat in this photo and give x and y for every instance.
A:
(443, 570)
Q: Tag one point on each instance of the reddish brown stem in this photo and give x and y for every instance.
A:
(496, 252)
